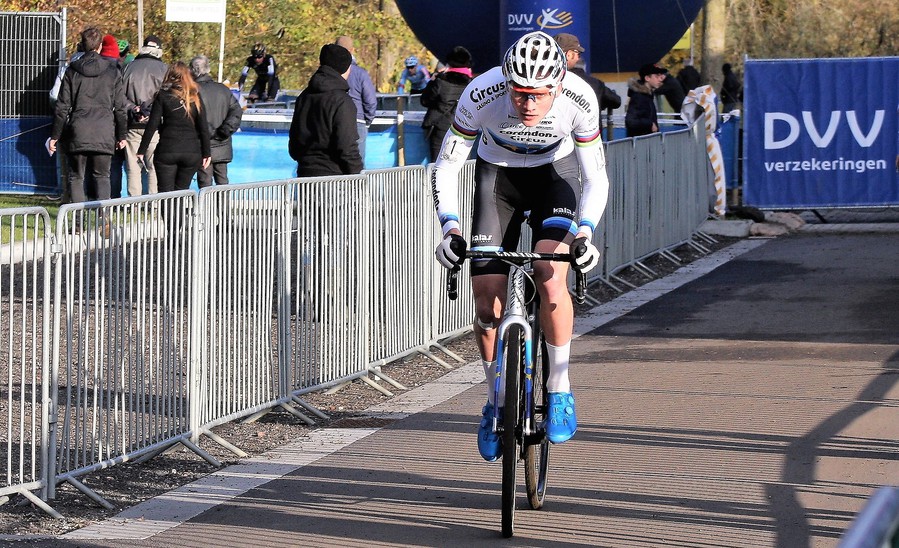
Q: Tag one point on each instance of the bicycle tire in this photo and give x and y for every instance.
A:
(511, 412)
(536, 455)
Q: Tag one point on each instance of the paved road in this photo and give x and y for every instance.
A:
(752, 406)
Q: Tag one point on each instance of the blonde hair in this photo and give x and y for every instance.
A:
(181, 83)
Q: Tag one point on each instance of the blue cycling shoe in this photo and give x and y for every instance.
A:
(562, 421)
(490, 444)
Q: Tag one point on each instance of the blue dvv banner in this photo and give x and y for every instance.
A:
(821, 133)
(519, 17)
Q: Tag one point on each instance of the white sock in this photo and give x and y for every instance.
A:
(490, 373)
(558, 367)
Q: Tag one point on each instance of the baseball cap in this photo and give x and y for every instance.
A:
(153, 41)
(652, 68)
(569, 42)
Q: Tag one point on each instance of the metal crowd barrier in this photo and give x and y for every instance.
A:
(178, 312)
(121, 332)
(26, 383)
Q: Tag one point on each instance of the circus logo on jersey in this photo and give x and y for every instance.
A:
(519, 147)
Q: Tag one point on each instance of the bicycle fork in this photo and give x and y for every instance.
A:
(516, 314)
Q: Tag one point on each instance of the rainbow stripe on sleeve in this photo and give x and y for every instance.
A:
(464, 132)
(587, 139)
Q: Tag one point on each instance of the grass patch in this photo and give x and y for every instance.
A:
(10, 233)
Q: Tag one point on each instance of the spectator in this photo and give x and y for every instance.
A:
(267, 82)
(323, 131)
(61, 146)
(441, 96)
(731, 90)
(90, 110)
(605, 97)
(689, 76)
(417, 76)
(125, 52)
(362, 92)
(179, 117)
(142, 79)
(223, 114)
(642, 117)
(110, 50)
(673, 92)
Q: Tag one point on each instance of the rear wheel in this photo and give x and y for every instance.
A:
(511, 367)
(536, 454)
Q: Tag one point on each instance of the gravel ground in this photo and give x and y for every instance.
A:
(128, 484)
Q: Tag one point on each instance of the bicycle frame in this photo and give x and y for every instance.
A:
(516, 313)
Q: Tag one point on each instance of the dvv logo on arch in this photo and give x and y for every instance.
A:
(548, 19)
(776, 138)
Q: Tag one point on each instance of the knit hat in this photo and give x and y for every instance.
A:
(459, 58)
(336, 57)
(569, 42)
(110, 47)
(123, 46)
(649, 69)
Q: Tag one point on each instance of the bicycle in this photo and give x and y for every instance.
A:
(523, 434)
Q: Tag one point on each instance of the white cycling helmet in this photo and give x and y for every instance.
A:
(535, 61)
(412, 61)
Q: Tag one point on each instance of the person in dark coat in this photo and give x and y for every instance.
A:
(731, 89)
(689, 77)
(605, 97)
(673, 92)
(90, 113)
(223, 114)
(323, 134)
(642, 117)
(180, 117)
(441, 96)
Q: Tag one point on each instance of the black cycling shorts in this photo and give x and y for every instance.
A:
(504, 194)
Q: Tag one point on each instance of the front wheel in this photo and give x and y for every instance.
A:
(536, 454)
(512, 364)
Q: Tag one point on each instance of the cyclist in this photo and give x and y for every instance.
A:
(540, 151)
(267, 81)
(417, 76)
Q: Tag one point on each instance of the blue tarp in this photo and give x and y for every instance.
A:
(25, 166)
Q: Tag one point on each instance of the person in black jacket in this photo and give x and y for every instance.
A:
(689, 77)
(673, 92)
(223, 114)
(605, 97)
(323, 133)
(731, 90)
(441, 96)
(179, 116)
(90, 112)
(642, 117)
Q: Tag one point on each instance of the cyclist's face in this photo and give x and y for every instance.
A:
(532, 104)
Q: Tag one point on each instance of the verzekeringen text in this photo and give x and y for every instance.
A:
(840, 164)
